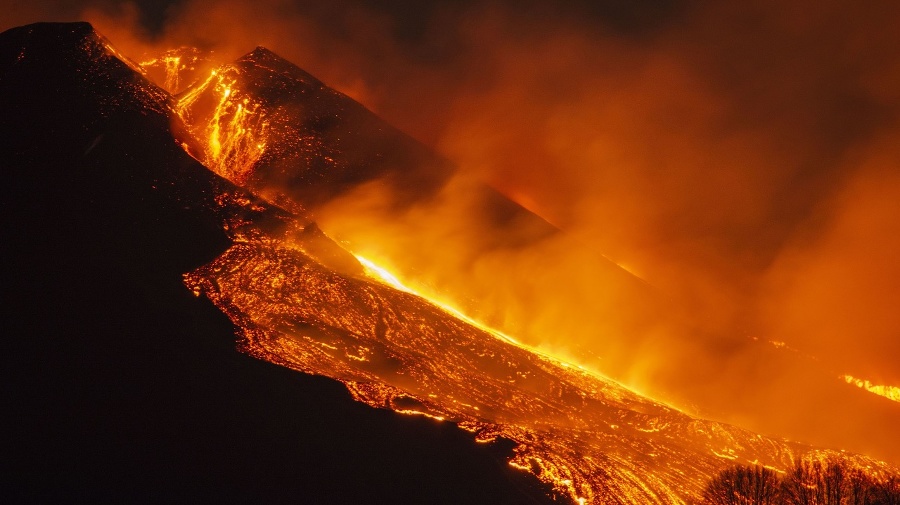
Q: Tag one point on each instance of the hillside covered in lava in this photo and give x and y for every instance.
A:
(146, 229)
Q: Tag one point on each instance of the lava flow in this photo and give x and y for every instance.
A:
(233, 131)
(589, 437)
(889, 392)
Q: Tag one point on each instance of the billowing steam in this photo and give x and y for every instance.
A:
(741, 161)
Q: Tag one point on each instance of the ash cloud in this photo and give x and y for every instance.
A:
(740, 160)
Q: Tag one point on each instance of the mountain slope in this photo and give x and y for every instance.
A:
(265, 123)
(318, 142)
(119, 384)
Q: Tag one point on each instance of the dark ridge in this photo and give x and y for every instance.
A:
(80, 57)
(264, 57)
(118, 385)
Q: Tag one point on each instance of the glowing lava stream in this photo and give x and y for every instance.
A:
(233, 131)
(173, 68)
(889, 392)
(382, 274)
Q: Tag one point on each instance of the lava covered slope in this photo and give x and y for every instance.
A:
(118, 384)
(589, 437)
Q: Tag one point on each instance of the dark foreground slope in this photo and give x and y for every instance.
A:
(117, 383)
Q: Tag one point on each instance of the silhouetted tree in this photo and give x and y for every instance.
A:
(831, 481)
(828, 482)
(887, 492)
(860, 488)
(743, 485)
(834, 482)
(801, 483)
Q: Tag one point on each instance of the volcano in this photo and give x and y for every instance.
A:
(119, 384)
(130, 266)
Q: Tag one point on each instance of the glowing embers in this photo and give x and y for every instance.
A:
(228, 123)
(889, 392)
